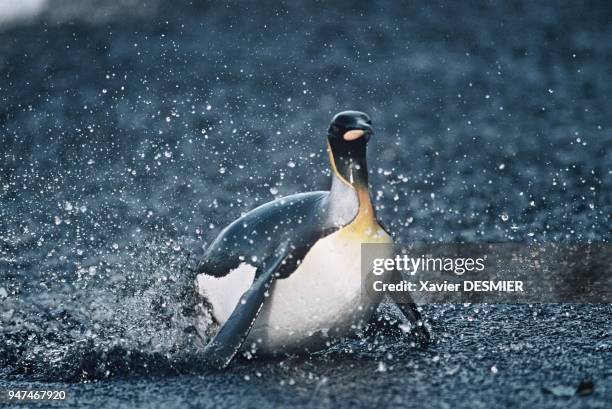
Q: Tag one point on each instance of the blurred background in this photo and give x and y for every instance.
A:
(132, 131)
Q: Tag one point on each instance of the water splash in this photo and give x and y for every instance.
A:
(137, 315)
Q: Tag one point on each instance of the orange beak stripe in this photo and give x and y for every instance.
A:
(353, 135)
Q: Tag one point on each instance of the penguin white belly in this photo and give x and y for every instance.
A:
(223, 293)
(322, 300)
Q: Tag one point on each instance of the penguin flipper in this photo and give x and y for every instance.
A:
(261, 231)
(411, 312)
(221, 350)
(419, 330)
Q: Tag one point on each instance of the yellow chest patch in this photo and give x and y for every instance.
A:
(365, 228)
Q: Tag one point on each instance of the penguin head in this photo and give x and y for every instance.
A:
(350, 126)
(347, 137)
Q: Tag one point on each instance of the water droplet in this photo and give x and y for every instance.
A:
(406, 327)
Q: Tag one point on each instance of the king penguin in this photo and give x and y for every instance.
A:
(286, 277)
